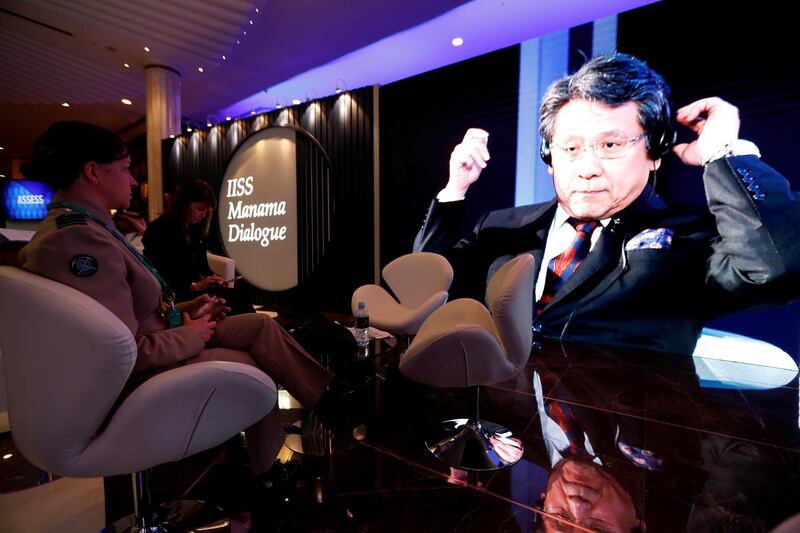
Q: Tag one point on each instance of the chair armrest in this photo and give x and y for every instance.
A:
(178, 413)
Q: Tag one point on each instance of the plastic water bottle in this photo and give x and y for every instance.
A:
(362, 325)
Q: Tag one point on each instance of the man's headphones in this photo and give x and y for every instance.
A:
(544, 152)
(660, 139)
(664, 134)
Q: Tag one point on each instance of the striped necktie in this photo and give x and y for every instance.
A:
(562, 266)
(562, 415)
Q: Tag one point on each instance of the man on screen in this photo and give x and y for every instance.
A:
(615, 264)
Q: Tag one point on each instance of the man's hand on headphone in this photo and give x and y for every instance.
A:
(716, 123)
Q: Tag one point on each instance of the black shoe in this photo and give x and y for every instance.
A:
(345, 394)
(269, 509)
(279, 478)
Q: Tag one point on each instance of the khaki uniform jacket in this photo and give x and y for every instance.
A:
(78, 252)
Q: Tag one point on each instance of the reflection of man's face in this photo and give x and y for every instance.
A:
(583, 493)
(587, 186)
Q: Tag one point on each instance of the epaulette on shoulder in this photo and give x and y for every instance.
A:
(70, 219)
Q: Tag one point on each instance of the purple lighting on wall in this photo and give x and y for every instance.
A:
(484, 26)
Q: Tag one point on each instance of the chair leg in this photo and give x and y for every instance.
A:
(176, 516)
(144, 512)
(475, 444)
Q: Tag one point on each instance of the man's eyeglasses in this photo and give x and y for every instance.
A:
(608, 148)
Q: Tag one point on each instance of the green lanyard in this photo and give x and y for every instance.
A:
(169, 294)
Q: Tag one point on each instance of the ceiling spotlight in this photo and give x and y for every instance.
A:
(126, 101)
(1, 148)
(8, 456)
(224, 58)
(256, 10)
(458, 41)
(200, 69)
(227, 117)
(244, 33)
(338, 90)
(126, 65)
(278, 106)
(64, 104)
(341, 85)
(237, 41)
(188, 128)
(251, 22)
(172, 136)
(146, 48)
(208, 124)
(296, 101)
(3, 176)
(253, 112)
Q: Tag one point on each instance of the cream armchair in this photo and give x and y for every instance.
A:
(464, 344)
(420, 282)
(66, 361)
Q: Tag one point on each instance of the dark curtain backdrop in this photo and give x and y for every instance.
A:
(343, 126)
(423, 118)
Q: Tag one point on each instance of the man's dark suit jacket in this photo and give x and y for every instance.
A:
(743, 252)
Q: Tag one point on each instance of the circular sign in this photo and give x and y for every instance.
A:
(276, 207)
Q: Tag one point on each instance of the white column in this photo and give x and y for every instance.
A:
(163, 119)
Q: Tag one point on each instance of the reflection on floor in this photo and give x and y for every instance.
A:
(614, 441)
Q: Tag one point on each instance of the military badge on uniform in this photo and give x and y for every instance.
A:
(83, 266)
(70, 219)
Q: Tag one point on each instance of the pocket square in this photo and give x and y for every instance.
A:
(651, 239)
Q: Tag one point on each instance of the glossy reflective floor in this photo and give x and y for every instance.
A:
(614, 441)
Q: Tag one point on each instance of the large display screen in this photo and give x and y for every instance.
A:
(25, 199)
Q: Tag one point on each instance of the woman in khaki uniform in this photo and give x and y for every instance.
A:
(77, 245)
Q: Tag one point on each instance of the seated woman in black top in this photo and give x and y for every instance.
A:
(176, 243)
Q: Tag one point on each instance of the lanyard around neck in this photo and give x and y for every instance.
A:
(168, 292)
